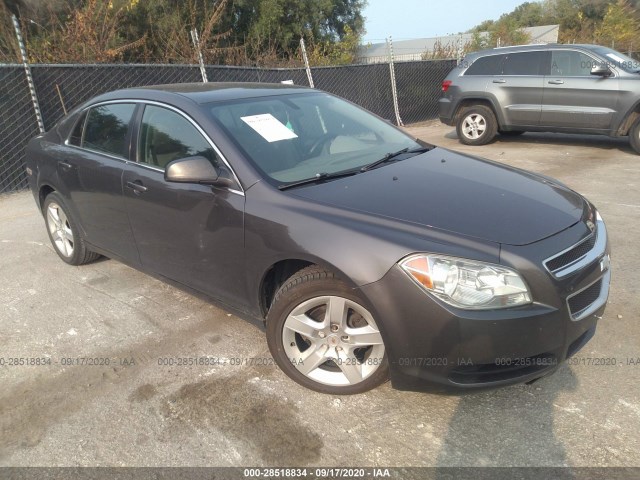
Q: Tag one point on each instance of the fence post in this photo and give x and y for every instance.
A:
(306, 62)
(394, 91)
(196, 43)
(27, 71)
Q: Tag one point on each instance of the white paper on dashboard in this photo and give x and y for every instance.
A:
(269, 127)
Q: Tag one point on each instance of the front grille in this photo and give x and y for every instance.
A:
(584, 299)
(575, 253)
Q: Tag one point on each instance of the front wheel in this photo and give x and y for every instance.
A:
(634, 136)
(476, 125)
(323, 337)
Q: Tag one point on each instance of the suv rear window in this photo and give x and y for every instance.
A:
(489, 65)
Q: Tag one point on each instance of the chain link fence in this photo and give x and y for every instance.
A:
(60, 88)
(18, 124)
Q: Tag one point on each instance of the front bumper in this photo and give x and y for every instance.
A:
(435, 347)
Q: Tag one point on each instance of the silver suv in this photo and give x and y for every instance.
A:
(550, 88)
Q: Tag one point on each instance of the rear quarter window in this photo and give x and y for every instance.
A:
(76, 135)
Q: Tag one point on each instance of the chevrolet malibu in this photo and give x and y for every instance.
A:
(368, 254)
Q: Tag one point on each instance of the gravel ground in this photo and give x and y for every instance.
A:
(136, 412)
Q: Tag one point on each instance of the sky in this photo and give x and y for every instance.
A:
(406, 19)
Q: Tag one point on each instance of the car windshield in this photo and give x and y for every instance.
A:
(619, 60)
(300, 136)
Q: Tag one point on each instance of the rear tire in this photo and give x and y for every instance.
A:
(64, 233)
(634, 136)
(323, 337)
(476, 125)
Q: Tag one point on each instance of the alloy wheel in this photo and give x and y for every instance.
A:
(333, 340)
(474, 126)
(60, 230)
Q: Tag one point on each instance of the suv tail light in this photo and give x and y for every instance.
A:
(446, 84)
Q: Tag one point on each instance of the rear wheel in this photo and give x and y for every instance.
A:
(64, 233)
(476, 125)
(323, 337)
(634, 136)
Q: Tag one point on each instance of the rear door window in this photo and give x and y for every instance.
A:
(107, 129)
(489, 65)
(526, 63)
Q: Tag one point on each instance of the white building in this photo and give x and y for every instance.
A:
(407, 50)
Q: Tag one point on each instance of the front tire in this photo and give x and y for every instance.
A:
(323, 337)
(634, 136)
(476, 125)
(64, 233)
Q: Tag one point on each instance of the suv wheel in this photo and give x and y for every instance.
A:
(476, 125)
(323, 337)
(634, 136)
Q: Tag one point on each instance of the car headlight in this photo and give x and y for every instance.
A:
(466, 283)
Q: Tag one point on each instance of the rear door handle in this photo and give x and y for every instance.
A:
(137, 187)
(65, 165)
(556, 82)
(499, 80)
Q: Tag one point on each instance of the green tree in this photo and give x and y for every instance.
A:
(166, 27)
(341, 52)
(529, 14)
(507, 30)
(278, 25)
(619, 27)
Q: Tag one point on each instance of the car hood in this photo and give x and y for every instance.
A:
(464, 195)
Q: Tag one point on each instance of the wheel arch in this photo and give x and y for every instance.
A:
(44, 191)
(628, 120)
(280, 271)
(470, 101)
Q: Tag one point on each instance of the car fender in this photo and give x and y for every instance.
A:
(283, 226)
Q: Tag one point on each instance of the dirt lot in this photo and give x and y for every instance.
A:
(137, 412)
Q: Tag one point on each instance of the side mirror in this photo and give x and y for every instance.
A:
(600, 70)
(195, 170)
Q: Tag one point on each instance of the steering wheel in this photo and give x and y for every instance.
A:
(321, 144)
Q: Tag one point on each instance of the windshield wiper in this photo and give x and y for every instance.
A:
(391, 156)
(319, 177)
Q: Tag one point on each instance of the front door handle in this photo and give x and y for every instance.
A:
(555, 82)
(65, 166)
(499, 80)
(137, 187)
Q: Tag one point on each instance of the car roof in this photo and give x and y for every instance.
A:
(203, 92)
(526, 48)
